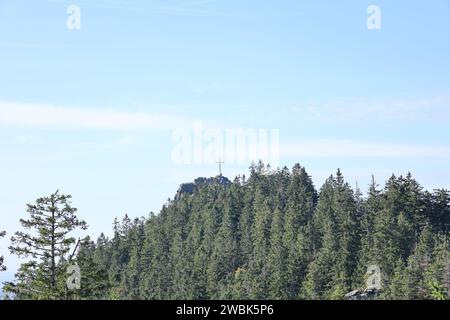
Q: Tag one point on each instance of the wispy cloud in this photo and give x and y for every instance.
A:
(425, 108)
(36, 115)
(360, 149)
(29, 45)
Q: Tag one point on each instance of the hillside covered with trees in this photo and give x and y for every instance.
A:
(269, 236)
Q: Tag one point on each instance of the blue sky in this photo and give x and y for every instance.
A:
(92, 111)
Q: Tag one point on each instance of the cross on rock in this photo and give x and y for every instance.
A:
(220, 162)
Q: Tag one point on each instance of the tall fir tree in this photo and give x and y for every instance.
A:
(224, 258)
(51, 218)
(257, 267)
(300, 209)
(94, 282)
(276, 260)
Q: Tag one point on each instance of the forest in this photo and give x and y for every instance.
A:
(271, 235)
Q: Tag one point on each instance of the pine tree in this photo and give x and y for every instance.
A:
(245, 225)
(52, 218)
(258, 269)
(196, 258)
(437, 275)
(300, 209)
(94, 274)
(438, 211)
(115, 262)
(348, 231)
(276, 260)
(224, 258)
(321, 272)
(419, 262)
(180, 281)
(102, 252)
(134, 267)
(404, 199)
(146, 257)
(338, 237)
(159, 279)
(398, 288)
(371, 208)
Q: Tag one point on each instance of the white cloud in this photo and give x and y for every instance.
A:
(28, 45)
(349, 148)
(129, 140)
(354, 109)
(36, 115)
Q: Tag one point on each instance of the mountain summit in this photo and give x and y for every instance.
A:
(192, 187)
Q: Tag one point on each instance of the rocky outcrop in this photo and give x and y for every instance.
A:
(192, 187)
(185, 189)
(368, 294)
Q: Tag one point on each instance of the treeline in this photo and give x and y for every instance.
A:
(271, 236)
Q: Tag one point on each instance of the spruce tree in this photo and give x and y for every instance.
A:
(337, 229)
(438, 211)
(50, 221)
(180, 281)
(437, 275)
(368, 253)
(398, 287)
(194, 259)
(94, 274)
(134, 267)
(276, 260)
(224, 258)
(258, 269)
(299, 211)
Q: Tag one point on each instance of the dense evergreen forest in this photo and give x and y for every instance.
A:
(271, 235)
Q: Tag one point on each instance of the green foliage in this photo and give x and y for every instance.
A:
(273, 236)
(94, 275)
(47, 244)
(438, 292)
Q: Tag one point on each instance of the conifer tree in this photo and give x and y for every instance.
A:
(266, 237)
(258, 269)
(276, 260)
(398, 287)
(50, 221)
(134, 267)
(438, 211)
(368, 253)
(224, 258)
(300, 209)
(180, 283)
(437, 275)
(94, 275)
